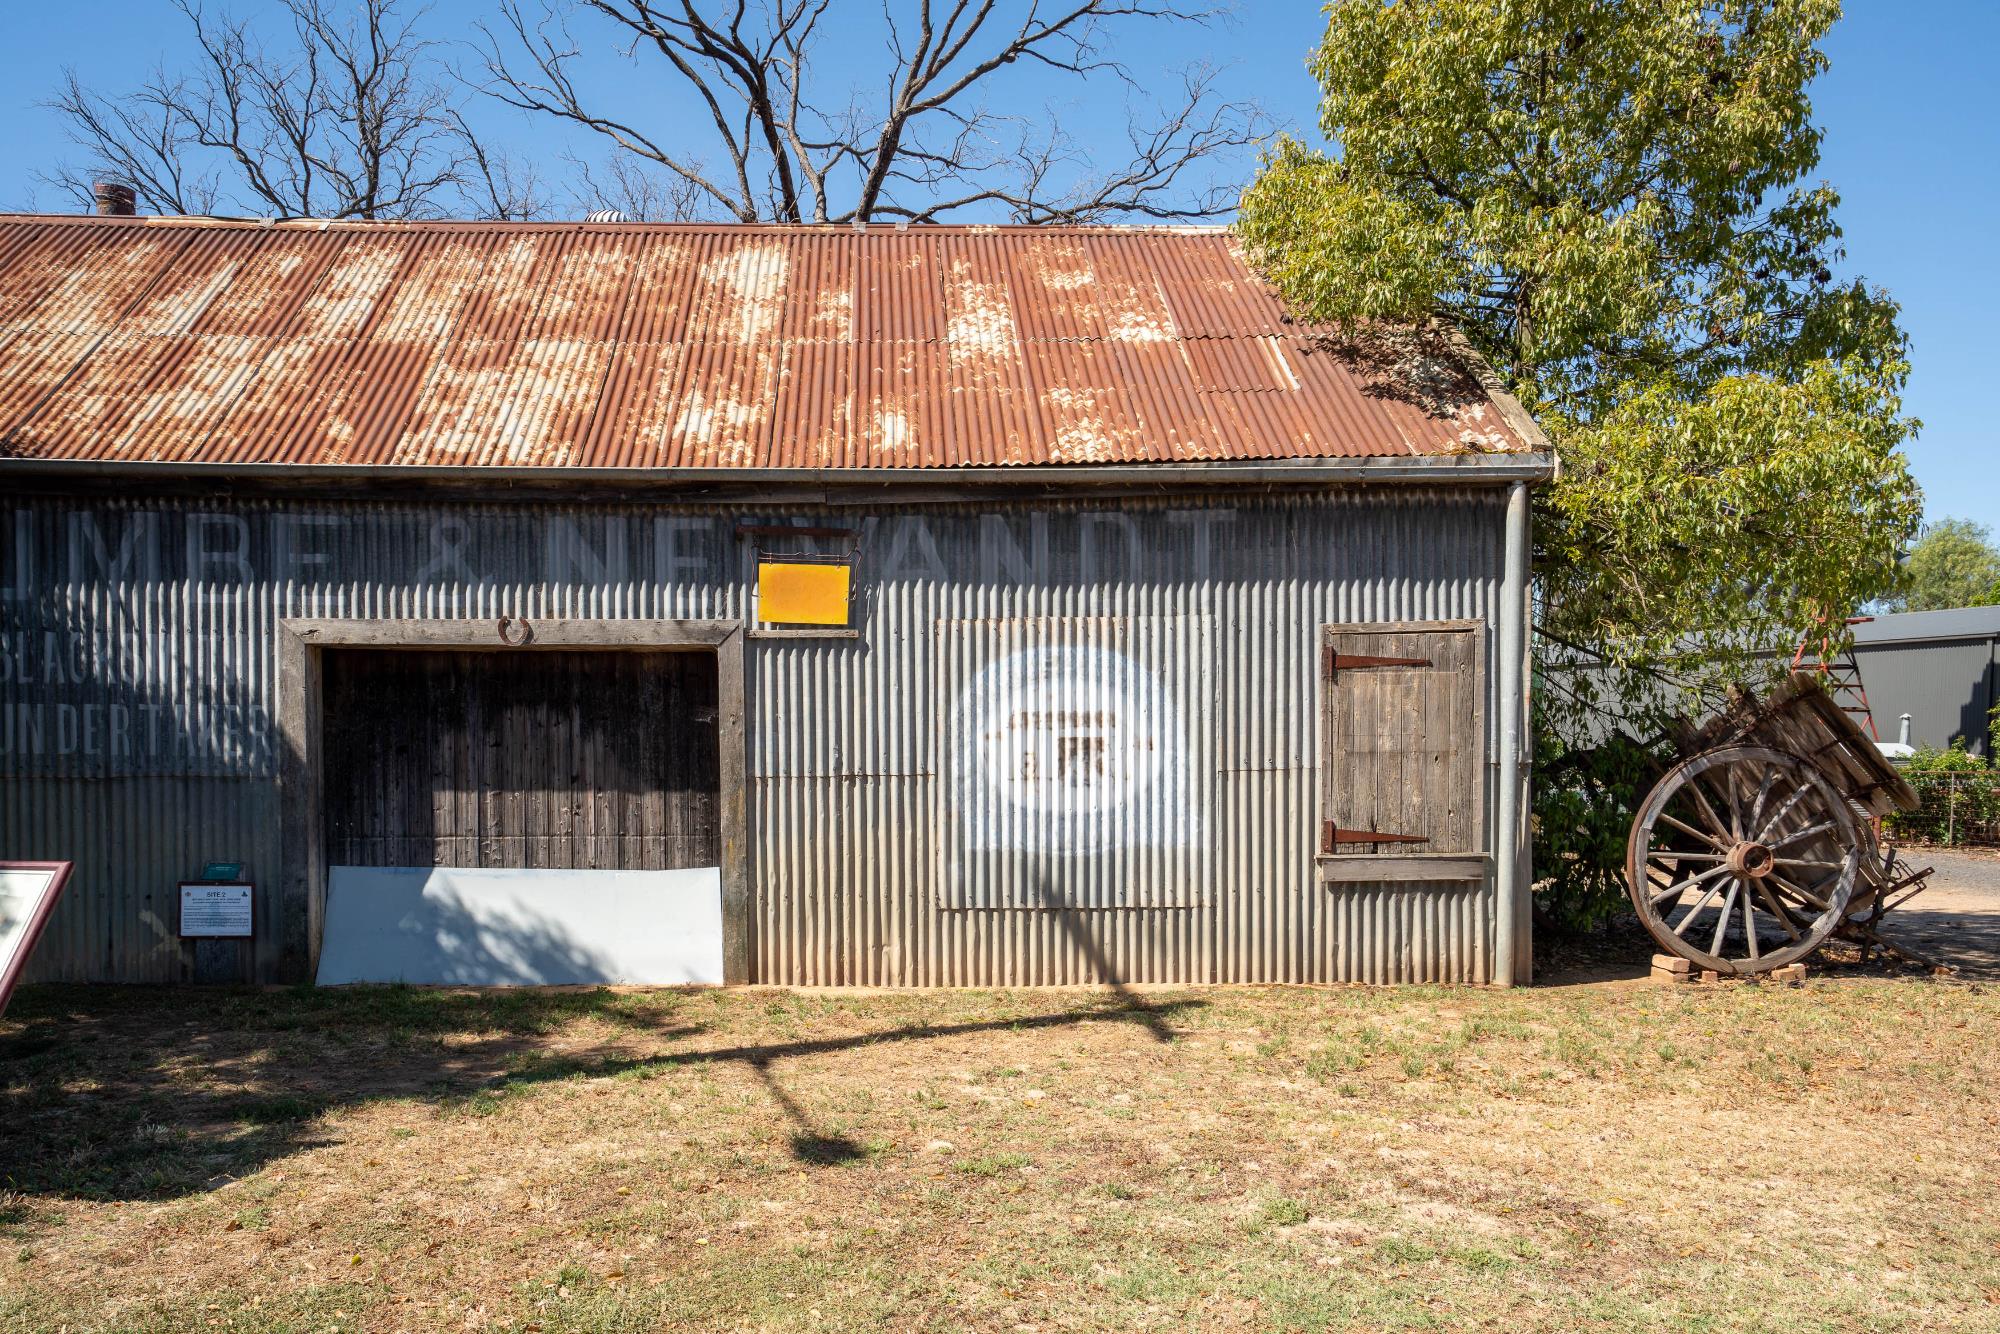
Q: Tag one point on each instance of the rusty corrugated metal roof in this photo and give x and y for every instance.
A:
(621, 345)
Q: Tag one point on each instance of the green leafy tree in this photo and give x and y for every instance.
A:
(1611, 200)
(1954, 564)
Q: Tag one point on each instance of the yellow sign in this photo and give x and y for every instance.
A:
(800, 594)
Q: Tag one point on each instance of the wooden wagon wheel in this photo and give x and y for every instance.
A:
(1743, 859)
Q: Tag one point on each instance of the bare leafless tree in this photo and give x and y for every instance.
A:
(494, 184)
(785, 149)
(635, 189)
(353, 115)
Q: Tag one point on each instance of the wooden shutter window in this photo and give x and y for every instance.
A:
(1403, 782)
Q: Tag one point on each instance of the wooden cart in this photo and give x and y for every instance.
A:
(1765, 840)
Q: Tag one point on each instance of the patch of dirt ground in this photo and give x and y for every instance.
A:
(1956, 920)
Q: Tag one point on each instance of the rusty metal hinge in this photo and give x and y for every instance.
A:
(1332, 836)
(1336, 661)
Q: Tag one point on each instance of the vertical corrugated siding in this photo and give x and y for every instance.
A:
(845, 736)
(133, 840)
(1944, 685)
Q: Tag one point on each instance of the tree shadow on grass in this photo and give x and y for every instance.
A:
(129, 1093)
(114, 1093)
(123, 1093)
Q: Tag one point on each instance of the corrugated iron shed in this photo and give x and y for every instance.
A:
(639, 346)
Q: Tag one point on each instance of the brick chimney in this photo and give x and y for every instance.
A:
(115, 199)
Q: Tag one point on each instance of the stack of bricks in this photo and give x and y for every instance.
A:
(1671, 969)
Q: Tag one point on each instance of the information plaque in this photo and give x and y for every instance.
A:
(210, 910)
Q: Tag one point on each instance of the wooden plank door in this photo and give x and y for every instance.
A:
(1403, 770)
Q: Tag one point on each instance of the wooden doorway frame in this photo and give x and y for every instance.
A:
(302, 887)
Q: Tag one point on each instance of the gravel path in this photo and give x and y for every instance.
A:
(1956, 920)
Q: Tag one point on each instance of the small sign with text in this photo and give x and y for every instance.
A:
(211, 910)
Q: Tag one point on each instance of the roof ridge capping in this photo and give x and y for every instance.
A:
(175, 220)
(1891, 627)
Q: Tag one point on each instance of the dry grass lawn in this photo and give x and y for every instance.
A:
(1588, 1158)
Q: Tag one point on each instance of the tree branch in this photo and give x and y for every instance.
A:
(353, 116)
(919, 148)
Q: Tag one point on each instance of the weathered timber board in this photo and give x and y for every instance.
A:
(557, 759)
(1405, 742)
(1800, 718)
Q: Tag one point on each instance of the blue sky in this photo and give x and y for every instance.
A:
(1912, 142)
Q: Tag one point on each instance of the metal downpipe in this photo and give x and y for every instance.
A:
(1511, 855)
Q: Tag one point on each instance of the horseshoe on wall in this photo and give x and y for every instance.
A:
(515, 631)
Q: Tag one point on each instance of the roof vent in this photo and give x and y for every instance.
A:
(115, 199)
(607, 215)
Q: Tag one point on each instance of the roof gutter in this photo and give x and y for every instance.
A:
(1436, 470)
(1915, 641)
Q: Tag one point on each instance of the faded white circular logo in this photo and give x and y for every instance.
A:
(1070, 751)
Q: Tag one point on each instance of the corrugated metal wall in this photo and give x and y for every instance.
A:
(138, 679)
(1945, 685)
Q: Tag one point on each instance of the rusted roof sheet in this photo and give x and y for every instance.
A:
(621, 345)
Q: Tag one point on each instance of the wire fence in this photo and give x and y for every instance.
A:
(1957, 809)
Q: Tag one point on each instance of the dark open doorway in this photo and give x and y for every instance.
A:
(521, 817)
(314, 718)
(552, 759)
